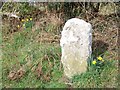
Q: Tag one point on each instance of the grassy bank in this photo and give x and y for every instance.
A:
(31, 54)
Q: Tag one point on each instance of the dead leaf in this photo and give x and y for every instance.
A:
(46, 77)
(33, 68)
(12, 75)
(39, 70)
(20, 72)
(50, 65)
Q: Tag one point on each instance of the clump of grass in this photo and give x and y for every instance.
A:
(27, 23)
(95, 77)
(39, 62)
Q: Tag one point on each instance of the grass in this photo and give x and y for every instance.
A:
(27, 62)
(104, 78)
(21, 51)
(41, 66)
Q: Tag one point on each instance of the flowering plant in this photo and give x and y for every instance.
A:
(96, 63)
(26, 23)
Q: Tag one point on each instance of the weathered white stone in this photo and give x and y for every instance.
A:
(76, 44)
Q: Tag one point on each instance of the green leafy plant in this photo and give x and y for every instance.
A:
(27, 23)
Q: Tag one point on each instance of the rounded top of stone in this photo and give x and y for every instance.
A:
(76, 21)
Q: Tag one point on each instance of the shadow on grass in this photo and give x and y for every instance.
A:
(99, 48)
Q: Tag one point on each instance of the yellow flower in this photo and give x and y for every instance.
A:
(23, 20)
(23, 25)
(31, 19)
(18, 26)
(27, 20)
(100, 58)
(94, 62)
